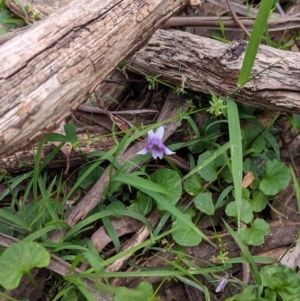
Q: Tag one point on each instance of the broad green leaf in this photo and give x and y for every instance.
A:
(281, 279)
(70, 295)
(277, 178)
(142, 293)
(18, 259)
(3, 32)
(142, 204)
(70, 131)
(245, 194)
(177, 213)
(295, 121)
(220, 151)
(171, 181)
(252, 140)
(246, 212)
(270, 295)
(259, 201)
(192, 185)
(184, 235)
(55, 137)
(116, 205)
(210, 171)
(254, 236)
(204, 203)
(92, 177)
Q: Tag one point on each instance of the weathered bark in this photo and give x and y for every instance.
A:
(204, 65)
(49, 69)
(24, 160)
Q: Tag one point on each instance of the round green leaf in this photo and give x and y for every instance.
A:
(210, 171)
(142, 293)
(115, 205)
(254, 236)
(142, 204)
(253, 140)
(91, 178)
(18, 259)
(204, 203)
(259, 201)
(281, 279)
(192, 185)
(171, 181)
(277, 178)
(246, 212)
(184, 235)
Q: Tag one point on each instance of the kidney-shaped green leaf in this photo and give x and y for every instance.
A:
(18, 259)
(246, 211)
(281, 279)
(171, 181)
(142, 293)
(254, 235)
(204, 203)
(185, 235)
(277, 178)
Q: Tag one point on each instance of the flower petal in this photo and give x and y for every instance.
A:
(144, 151)
(159, 134)
(221, 285)
(150, 134)
(157, 152)
(167, 151)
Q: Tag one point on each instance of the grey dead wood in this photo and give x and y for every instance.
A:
(204, 65)
(64, 61)
(90, 141)
(49, 69)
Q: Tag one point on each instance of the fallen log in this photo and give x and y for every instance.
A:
(202, 64)
(49, 69)
(89, 141)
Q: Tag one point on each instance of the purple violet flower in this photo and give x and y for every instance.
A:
(155, 145)
(221, 285)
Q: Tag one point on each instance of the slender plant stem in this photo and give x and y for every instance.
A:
(236, 19)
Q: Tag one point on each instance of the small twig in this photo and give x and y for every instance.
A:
(90, 109)
(236, 19)
(279, 8)
(290, 156)
(280, 23)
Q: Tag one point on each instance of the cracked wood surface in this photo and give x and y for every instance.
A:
(204, 65)
(49, 69)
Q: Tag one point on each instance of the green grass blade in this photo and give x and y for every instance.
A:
(296, 187)
(139, 183)
(216, 154)
(46, 199)
(256, 36)
(40, 233)
(246, 254)
(236, 152)
(17, 180)
(36, 170)
(14, 219)
(160, 199)
(111, 232)
(102, 214)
